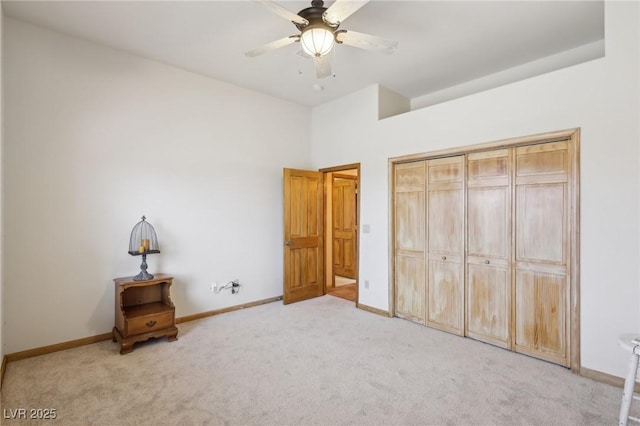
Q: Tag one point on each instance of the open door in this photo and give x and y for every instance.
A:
(344, 225)
(303, 235)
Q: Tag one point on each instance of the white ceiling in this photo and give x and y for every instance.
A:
(441, 43)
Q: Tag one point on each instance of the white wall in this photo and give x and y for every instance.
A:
(577, 55)
(94, 138)
(600, 96)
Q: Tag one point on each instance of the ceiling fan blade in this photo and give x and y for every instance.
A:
(272, 46)
(323, 66)
(285, 13)
(366, 41)
(341, 10)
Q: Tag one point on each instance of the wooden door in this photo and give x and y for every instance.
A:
(303, 235)
(489, 247)
(542, 283)
(409, 244)
(344, 193)
(445, 243)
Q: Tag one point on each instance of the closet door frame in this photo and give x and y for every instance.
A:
(572, 136)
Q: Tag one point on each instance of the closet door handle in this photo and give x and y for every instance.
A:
(287, 243)
(444, 257)
(487, 262)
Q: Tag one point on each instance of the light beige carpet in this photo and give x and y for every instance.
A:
(319, 362)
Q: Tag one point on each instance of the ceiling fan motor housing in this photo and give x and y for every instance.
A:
(313, 14)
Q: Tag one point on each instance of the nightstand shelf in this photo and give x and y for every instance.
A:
(143, 310)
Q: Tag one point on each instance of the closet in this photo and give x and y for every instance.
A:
(485, 240)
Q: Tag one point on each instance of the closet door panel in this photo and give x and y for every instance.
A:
(541, 312)
(446, 221)
(410, 177)
(446, 171)
(409, 223)
(489, 304)
(445, 244)
(542, 160)
(488, 164)
(488, 222)
(488, 301)
(542, 283)
(445, 301)
(410, 295)
(540, 223)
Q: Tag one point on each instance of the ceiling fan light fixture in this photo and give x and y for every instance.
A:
(317, 41)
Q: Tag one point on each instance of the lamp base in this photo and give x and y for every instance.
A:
(143, 275)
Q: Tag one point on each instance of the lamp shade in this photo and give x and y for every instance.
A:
(143, 239)
(317, 41)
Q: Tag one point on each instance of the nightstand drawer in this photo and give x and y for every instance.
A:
(149, 323)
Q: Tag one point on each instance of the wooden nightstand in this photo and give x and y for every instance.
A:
(144, 310)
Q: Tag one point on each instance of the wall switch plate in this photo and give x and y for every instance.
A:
(365, 228)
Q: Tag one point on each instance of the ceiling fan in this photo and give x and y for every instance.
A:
(319, 32)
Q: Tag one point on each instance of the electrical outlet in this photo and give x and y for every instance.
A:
(213, 286)
(366, 283)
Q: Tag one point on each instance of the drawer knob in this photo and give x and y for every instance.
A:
(444, 257)
(487, 262)
(151, 323)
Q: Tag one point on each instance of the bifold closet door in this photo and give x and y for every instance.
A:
(489, 247)
(409, 222)
(445, 244)
(542, 285)
(484, 245)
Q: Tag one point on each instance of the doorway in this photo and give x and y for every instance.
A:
(341, 231)
(321, 254)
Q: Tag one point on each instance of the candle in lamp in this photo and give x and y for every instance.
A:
(146, 243)
(141, 249)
